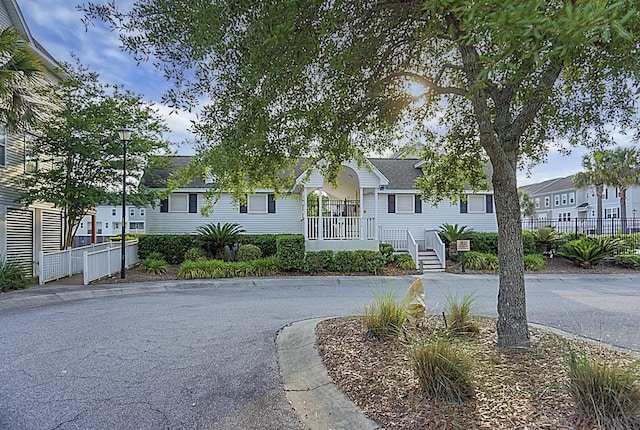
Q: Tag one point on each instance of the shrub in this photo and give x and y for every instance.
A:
(209, 269)
(583, 252)
(609, 244)
(359, 261)
(385, 316)
(214, 238)
(172, 247)
(451, 233)
(155, 256)
(629, 243)
(484, 242)
(248, 253)
(319, 261)
(546, 239)
(475, 260)
(534, 262)
(386, 250)
(195, 254)
(290, 251)
(154, 266)
(459, 315)
(403, 261)
(442, 371)
(628, 260)
(606, 394)
(266, 242)
(528, 243)
(13, 276)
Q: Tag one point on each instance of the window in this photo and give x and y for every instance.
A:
(106, 225)
(3, 146)
(116, 226)
(259, 204)
(537, 202)
(31, 164)
(132, 212)
(572, 198)
(81, 225)
(556, 200)
(404, 203)
(141, 211)
(611, 213)
(178, 202)
(475, 203)
(547, 201)
(113, 212)
(136, 226)
(564, 199)
(564, 216)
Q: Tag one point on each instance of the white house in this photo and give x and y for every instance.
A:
(371, 204)
(24, 231)
(107, 221)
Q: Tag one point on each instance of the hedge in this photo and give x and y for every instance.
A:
(319, 261)
(209, 269)
(266, 242)
(359, 261)
(487, 242)
(290, 252)
(172, 246)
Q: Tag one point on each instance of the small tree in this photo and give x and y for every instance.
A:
(79, 153)
(214, 238)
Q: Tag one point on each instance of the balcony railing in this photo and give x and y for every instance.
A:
(340, 228)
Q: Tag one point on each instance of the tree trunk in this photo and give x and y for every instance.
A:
(599, 192)
(512, 328)
(623, 210)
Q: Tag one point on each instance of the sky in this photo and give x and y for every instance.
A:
(58, 27)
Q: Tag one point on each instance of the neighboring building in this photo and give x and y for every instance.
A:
(24, 231)
(558, 203)
(108, 223)
(370, 201)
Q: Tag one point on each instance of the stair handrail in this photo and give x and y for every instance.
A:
(412, 247)
(433, 241)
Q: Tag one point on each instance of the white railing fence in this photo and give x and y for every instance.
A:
(412, 247)
(432, 241)
(55, 265)
(340, 228)
(59, 264)
(396, 237)
(99, 264)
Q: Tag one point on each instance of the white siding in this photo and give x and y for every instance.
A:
(287, 219)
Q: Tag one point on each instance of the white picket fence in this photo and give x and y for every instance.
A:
(59, 264)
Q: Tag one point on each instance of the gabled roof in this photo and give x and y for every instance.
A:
(550, 186)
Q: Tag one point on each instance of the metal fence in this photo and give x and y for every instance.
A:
(588, 226)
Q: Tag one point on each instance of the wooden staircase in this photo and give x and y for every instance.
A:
(428, 261)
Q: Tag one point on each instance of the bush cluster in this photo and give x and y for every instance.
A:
(13, 276)
(534, 262)
(290, 252)
(211, 269)
(172, 247)
(628, 260)
(403, 261)
(319, 261)
(248, 252)
(266, 242)
(481, 261)
(359, 261)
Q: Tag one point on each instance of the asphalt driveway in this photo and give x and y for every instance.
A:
(201, 355)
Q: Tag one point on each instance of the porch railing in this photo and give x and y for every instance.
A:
(402, 241)
(432, 241)
(59, 264)
(340, 228)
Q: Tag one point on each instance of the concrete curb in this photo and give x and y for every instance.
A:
(317, 402)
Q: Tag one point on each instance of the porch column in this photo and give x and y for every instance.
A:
(375, 213)
(362, 221)
(305, 221)
(320, 220)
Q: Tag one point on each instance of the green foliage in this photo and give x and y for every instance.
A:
(528, 243)
(453, 232)
(584, 253)
(628, 260)
(609, 244)
(359, 261)
(546, 239)
(80, 143)
(214, 238)
(475, 260)
(13, 276)
(443, 372)
(210, 269)
(606, 394)
(319, 261)
(403, 261)
(629, 243)
(154, 265)
(459, 319)
(385, 316)
(485, 242)
(248, 253)
(290, 252)
(195, 254)
(172, 247)
(386, 250)
(266, 242)
(534, 262)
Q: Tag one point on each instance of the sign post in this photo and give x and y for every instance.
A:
(463, 246)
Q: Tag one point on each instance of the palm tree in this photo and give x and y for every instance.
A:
(527, 205)
(594, 175)
(20, 77)
(214, 238)
(622, 171)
